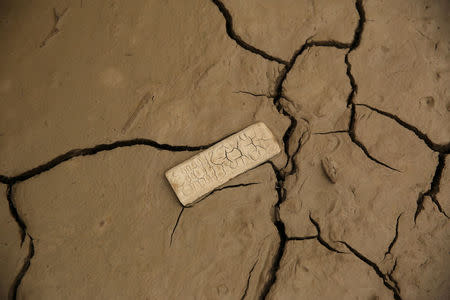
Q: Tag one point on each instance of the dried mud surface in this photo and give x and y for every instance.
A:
(99, 98)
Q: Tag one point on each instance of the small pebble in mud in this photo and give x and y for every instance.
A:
(429, 101)
(330, 168)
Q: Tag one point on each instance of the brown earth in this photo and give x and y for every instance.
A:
(99, 98)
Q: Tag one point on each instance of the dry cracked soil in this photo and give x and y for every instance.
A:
(99, 98)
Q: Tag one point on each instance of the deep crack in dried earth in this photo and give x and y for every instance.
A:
(356, 206)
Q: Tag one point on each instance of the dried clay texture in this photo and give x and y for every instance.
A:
(98, 99)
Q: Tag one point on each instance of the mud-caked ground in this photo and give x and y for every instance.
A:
(99, 98)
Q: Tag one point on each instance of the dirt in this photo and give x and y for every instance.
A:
(99, 98)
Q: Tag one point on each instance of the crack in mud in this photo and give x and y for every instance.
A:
(433, 190)
(331, 132)
(276, 260)
(390, 275)
(445, 148)
(254, 94)
(229, 187)
(4, 179)
(354, 139)
(248, 280)
(288, 66)
(302, 238)
(391, 245)
(11, 181)
(280, 173)
(26, 265)
(203, 198)
(235, 37)
(386, 280)
(96, 149)
(55, 29)
(319, 237)
(175, 226)
(15, 213)
(350, 103)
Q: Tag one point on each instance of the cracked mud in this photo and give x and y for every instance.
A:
(94, 112)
